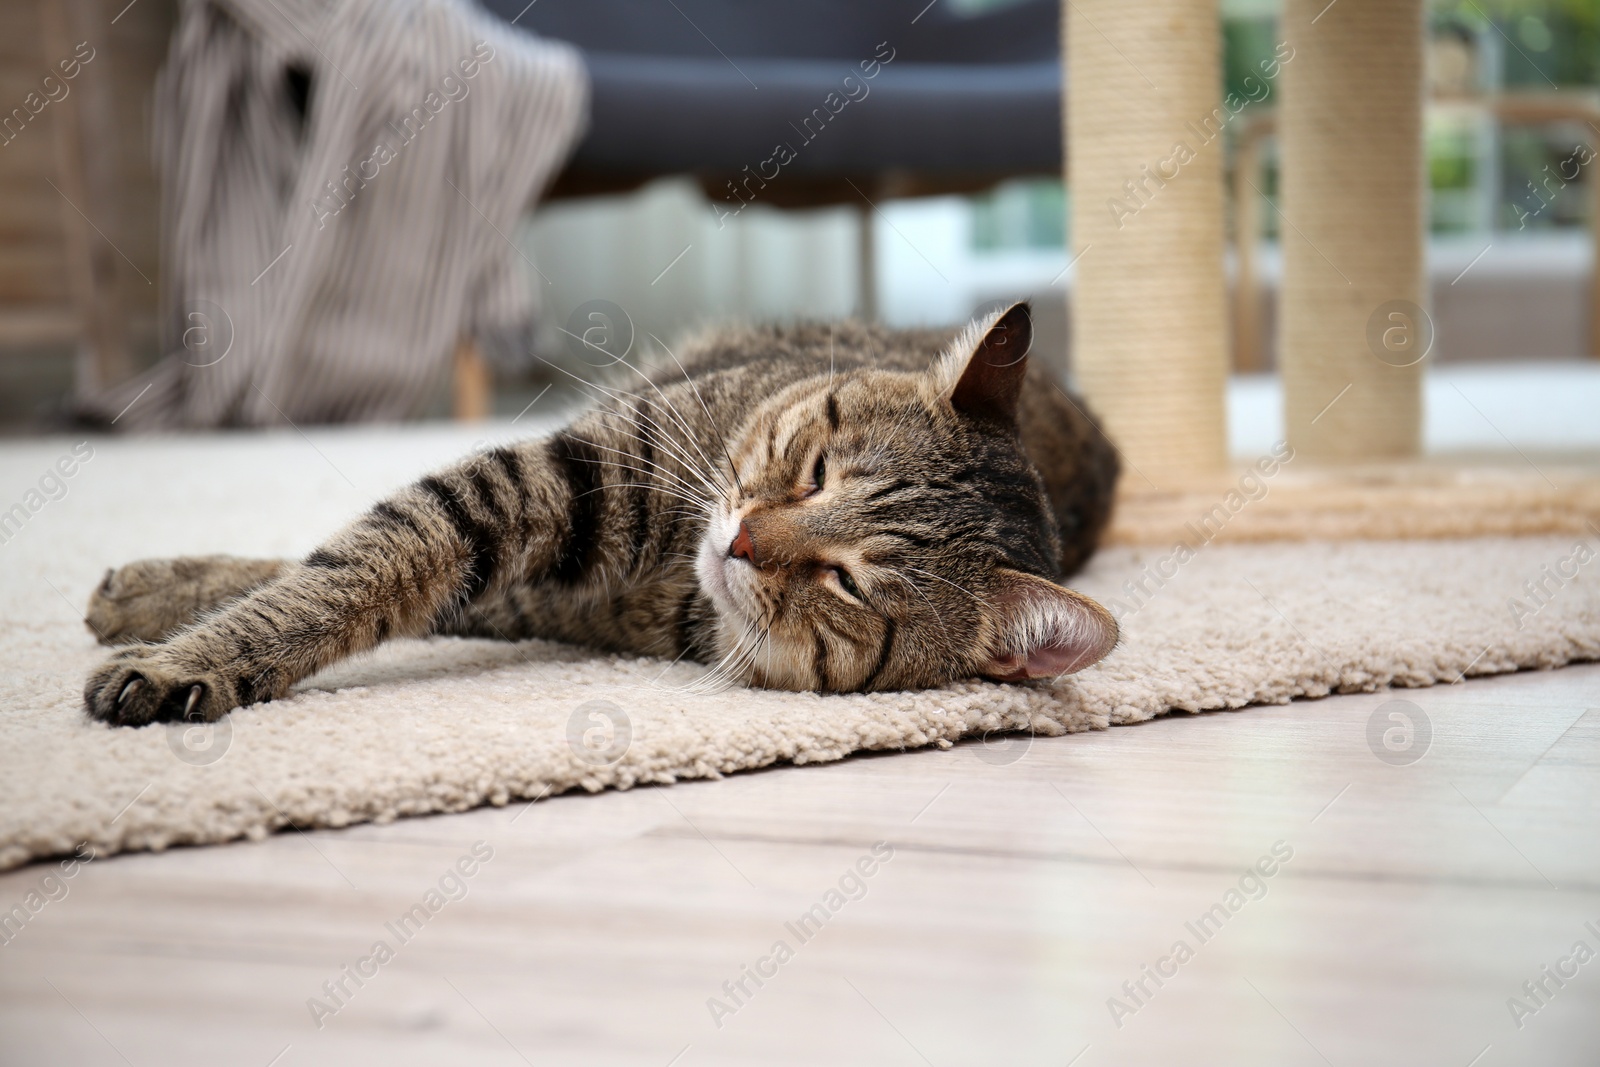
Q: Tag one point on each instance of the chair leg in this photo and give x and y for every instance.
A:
(473, 386)
(867, 265)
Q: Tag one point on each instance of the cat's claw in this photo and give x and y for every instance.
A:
(157, 683)
(188, 707)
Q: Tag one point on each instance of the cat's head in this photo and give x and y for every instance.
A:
(887, 531)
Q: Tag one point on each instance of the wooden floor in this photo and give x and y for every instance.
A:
(1028, 881)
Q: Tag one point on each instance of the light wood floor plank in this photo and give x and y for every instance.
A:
(1030, 879)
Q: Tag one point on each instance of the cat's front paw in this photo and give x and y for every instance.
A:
(152, 599)
(154, 683)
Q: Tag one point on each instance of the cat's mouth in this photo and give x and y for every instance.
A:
(714, 567)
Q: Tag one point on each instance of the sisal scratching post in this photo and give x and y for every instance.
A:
(1352, 330)
(1144, 161)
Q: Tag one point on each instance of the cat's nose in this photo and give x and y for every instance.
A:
(744, 546)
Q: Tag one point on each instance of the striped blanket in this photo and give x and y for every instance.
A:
(341, 180)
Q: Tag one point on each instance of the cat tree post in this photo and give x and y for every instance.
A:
(1149, 310)
(1351, 331)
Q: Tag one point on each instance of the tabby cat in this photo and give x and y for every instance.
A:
(842, 508)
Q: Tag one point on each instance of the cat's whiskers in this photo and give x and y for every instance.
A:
(684, 513)
(746, 671)
(655, 488)
(686, 486)
(713, 488)
(618, 396)
(716, 675)
(740, 670)
(666, 431)
(688, 493)
(722, 438)
(683, 423)
(633, 421)
(679, 422)
(721, 674)
(712, 480)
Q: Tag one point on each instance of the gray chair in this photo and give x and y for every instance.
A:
(712, 87)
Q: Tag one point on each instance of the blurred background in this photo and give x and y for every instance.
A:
(1511, 249)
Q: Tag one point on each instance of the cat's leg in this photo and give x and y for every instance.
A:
(554, 510)
(151, 599)
(498, 616)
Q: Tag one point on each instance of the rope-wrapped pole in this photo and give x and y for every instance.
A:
(1144, 164)
(1353, 330)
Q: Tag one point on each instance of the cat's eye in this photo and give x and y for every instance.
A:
(847, 583)
(819, 473)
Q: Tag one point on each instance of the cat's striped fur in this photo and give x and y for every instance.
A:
(683, 516)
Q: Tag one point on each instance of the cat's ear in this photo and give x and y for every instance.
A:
(1043, 630)
(990, 383)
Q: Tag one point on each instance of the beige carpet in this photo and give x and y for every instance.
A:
(445, 725)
